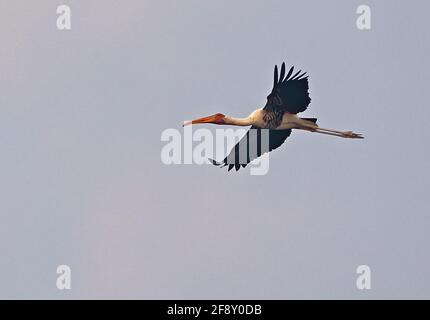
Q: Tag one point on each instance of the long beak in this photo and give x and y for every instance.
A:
(209, 119)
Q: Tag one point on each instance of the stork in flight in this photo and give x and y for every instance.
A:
(289, 97)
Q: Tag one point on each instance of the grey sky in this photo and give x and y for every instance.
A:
(82, 183)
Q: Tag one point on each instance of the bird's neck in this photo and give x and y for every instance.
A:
(238, 121)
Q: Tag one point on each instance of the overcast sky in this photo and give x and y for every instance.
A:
(82, 183)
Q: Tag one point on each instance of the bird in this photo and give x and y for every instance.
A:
(289, 96)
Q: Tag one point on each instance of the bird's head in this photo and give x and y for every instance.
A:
(217, 118)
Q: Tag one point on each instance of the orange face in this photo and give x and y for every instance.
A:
(215, 119)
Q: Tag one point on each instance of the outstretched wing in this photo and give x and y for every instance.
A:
(289, 93)
(253, 145)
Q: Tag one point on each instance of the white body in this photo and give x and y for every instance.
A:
(289, 121)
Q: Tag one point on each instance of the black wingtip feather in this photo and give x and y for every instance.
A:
(300, 77)
(294, 77)
(281, 77)
(289, 73)
(216, 163)
(275, 77)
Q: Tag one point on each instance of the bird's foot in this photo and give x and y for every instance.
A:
(352, 135)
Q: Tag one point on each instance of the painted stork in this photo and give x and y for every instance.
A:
(289, 97)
